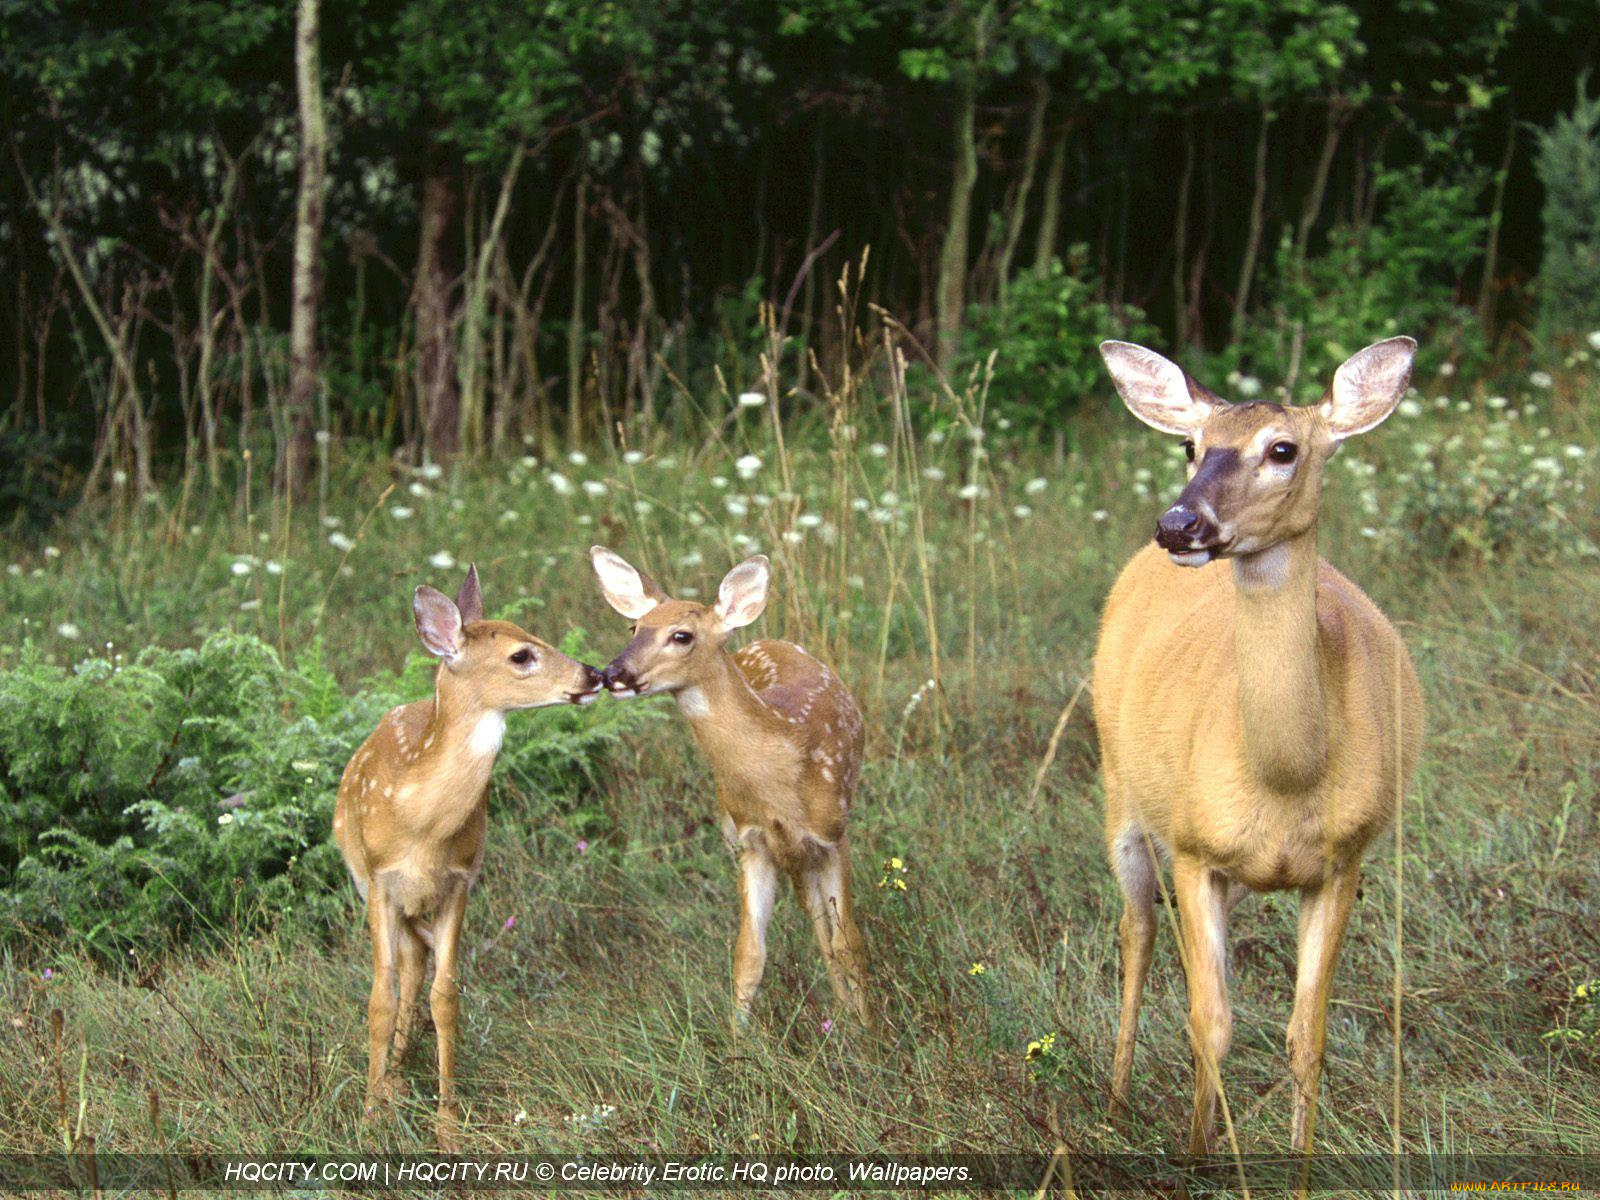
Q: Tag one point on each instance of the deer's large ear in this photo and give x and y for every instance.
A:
(1156, 390)
(469, 600)
(1368, 385)
(628, 590)
(743, 594)
(438, 623)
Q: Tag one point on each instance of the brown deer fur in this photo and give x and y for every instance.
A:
(1257, 714)
(412, 813)
(785, 740)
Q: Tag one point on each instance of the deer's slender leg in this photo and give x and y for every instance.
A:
(825, 888)
(1203, 915)
(1135, 870)
(1324, 913)
(384, 922)
(413, 963)
(758, 892)
(444, 998)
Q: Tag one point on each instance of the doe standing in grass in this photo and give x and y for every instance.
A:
(785, 740)
(413, 810)
(1258, 715)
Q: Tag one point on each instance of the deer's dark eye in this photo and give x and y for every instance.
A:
(522, 657)
(1188, 449)
(1282, 452)
(683, 638)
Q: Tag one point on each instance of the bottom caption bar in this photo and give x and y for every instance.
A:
(1086, 1172)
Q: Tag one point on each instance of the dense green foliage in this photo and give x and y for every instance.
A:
(187, 794)
(1568, 163)
(539, 215)
(1044, 341)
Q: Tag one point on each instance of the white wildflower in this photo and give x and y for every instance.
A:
(1022, 512)
(1249, 385)
(68, 630)
(1541, 380)
(1036, 485)
(442, 559)
(633, 457)
(240, 566)
(1099, 514)
(401, 512)
(430, 470)
(578, 458)
(594, 487)
(969, 491)
(560, 484)
(341, 542)
(936, 474)
(878, 450)
(747, 466)
(751, 399)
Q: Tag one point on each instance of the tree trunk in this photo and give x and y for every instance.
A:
(1491, 249)
(1252, 247)
(470, 426)
(575, 325)
(951, 290)
(1030, 168)
(1050, 213)
(305, 367)
(1180, 242)
(437, 396)
(1338, 114)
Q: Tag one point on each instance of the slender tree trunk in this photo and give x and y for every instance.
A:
(575, 337)
(1030, 168)
(210, 318)
(1180, 242)
(1338, 114)
(1491, 249)
(951, 289)
(470, 425)
(813, 231)
(305, 366)
(1258, 206)
(437, 396)
(1050, 212)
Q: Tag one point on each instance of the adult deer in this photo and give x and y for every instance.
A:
(413, 810)
(1257, 716)
(785, 741)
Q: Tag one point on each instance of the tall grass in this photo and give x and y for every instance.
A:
(955, 580)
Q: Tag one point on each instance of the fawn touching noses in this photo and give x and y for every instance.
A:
(785, 741)
(1258, 715)
(413, 809)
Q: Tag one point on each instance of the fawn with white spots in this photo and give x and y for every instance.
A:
(1259, 716)
(413, 810)
(785, 741)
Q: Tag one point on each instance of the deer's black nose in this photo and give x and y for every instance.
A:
(616, 675)
(591, 677)
(1182, 528)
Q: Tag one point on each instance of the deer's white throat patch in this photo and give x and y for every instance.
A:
(692, 702)
(487, 734)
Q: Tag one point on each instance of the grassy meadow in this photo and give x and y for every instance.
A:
(954, 576)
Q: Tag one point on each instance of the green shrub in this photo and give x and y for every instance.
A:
(191, 792)
(1045, 340)
(1567, 160)
(1402, 273)
(1473, 489)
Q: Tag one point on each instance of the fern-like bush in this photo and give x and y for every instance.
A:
(190, 793)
